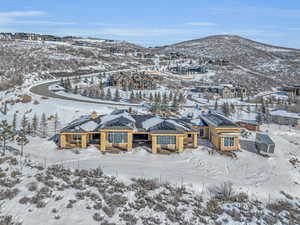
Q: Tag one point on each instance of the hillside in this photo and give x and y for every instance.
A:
(250, 62)
(258, 66)
(27, 61)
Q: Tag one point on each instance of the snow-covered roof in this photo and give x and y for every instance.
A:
(147, 124)
(125, 120)
(284, 113)
(110, 117)
(89, 126)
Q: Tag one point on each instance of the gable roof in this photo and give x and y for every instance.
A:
(217, 120)
(125, 120)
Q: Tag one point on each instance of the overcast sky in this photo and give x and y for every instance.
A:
(156, 22)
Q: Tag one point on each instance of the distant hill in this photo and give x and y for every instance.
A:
(250, 62)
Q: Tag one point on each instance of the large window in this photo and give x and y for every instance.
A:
(76, 137)
(166, 140)
(201, 132)
(229, 141)
(117, 137)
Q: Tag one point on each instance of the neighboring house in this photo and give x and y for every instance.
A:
(249, 125)
(225, 91)
(222, 133)
(284, 117)
(124, 130)
(264, 143)
(294, 90)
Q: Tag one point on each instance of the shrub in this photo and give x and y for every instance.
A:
(15, 173)
(36, 102)
(108, 211)
(222, 192)
(25, 98)
(97, 217)
(2, 174)
(24, 200)
(147, 184)
(32, 186)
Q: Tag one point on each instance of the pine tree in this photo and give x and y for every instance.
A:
(43, 126)
(151, 97)
(108, 94)
(24, 122)
(232, 108)
(164, 105)
(225, 109)
(29, 129)
(181, 98)
(6, 134)
(175, 103)
(76, 90)
(14, 122)
(216, 105)
(170, 96)
(132, 97)
(248, 108)
(5, 108)
(258, 118)
(158, 98)
(56, 123)
(34, 125)
(117, 96)
(102, 94)
(22, 140)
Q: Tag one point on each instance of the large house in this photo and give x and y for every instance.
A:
(284, 117)
(123, 130)
(224, 91)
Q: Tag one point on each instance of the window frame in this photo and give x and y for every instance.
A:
(166, 140)
(229, 141)
(201, 131)
(76, 137)
(117, 137)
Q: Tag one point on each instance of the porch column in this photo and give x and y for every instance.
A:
(129, 141)
(179, 143)
(102, 141)
(63, 141)
(195, 140)
(154, 144)
(83, 140)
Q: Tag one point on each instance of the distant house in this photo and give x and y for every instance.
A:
(123, 130)
(284, 117)
(294, 90)
(264, 143)
(225, 91)
(249, 124)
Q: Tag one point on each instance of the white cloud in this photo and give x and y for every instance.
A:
(42, 22)
(10, 17)
(130, 32)
(15, 17)
(203, 24)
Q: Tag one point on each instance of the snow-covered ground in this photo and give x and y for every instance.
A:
(252, 173)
